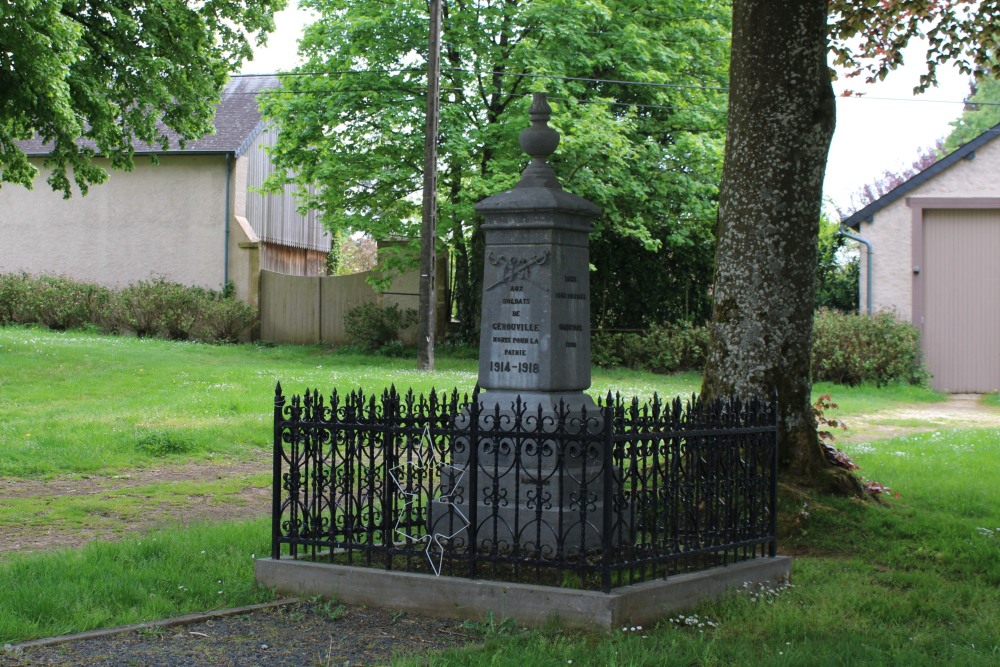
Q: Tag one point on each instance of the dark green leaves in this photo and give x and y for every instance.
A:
(96, 76)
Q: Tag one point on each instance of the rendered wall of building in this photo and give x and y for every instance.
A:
(166, 219)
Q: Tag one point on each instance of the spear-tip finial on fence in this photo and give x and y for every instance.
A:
(539, 141)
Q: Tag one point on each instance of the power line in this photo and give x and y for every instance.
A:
(620, 82)
(560, 77)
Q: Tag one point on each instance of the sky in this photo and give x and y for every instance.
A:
(882, 130)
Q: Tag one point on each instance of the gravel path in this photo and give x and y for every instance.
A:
(298, 634)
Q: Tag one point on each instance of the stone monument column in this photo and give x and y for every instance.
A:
(535, 331)
(538, 482)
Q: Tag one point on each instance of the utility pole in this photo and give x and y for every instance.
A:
(428, 228)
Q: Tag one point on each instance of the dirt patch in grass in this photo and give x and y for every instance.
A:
(959, 411)
(296, 634)
(241, 495)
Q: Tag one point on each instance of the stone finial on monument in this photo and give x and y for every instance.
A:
(540, 142)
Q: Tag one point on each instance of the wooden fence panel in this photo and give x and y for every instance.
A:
(289, 308)
(339, 294)
(305, 310)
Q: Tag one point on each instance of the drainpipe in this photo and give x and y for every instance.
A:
(225, 253)
(868, 264)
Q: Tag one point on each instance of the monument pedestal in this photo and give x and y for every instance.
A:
(538, 480)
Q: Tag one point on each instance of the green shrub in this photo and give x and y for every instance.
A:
(226, 320)
(57, 302)
(17, 305)
(661, 349)
(136, 307)
(856, 349)
(375, 327)
(179, 310)
(148, 308)
(61, 303)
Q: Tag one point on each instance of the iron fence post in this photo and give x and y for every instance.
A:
(609, 496)
(773, 544)
(279, 405)
(473, 473)
(390, 415)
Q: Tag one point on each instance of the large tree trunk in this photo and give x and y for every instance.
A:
(781, 120)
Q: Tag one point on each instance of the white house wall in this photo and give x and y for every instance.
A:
(891, 230)
(158, 220)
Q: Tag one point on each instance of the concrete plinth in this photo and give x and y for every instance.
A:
(453, 597)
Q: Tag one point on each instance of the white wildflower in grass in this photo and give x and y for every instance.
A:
(766, 593)
(693, 621)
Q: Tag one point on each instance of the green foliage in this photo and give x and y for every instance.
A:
(148, 308)
(856, 349)
(650, 155)
(836, 276)
(17, 305)
(661, 349)
(94, 77)
(158, 307)
(377, 328)
(225, 320)
(982, 110)
(633, 287)
(61, 303)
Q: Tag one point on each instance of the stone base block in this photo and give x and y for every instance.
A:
(640, 604)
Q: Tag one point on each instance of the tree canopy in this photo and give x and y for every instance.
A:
(638, 89)
(94, 76)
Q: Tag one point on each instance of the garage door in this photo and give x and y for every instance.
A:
(961, 280)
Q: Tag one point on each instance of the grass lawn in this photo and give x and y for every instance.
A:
(911, 581)
(78, 403)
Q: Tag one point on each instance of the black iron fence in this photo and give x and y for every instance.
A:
(622, 493)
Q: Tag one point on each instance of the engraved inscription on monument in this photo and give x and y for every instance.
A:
(535, 331)
(513, 333)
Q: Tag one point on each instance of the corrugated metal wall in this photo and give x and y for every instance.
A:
(274, 217)
(961, 277)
